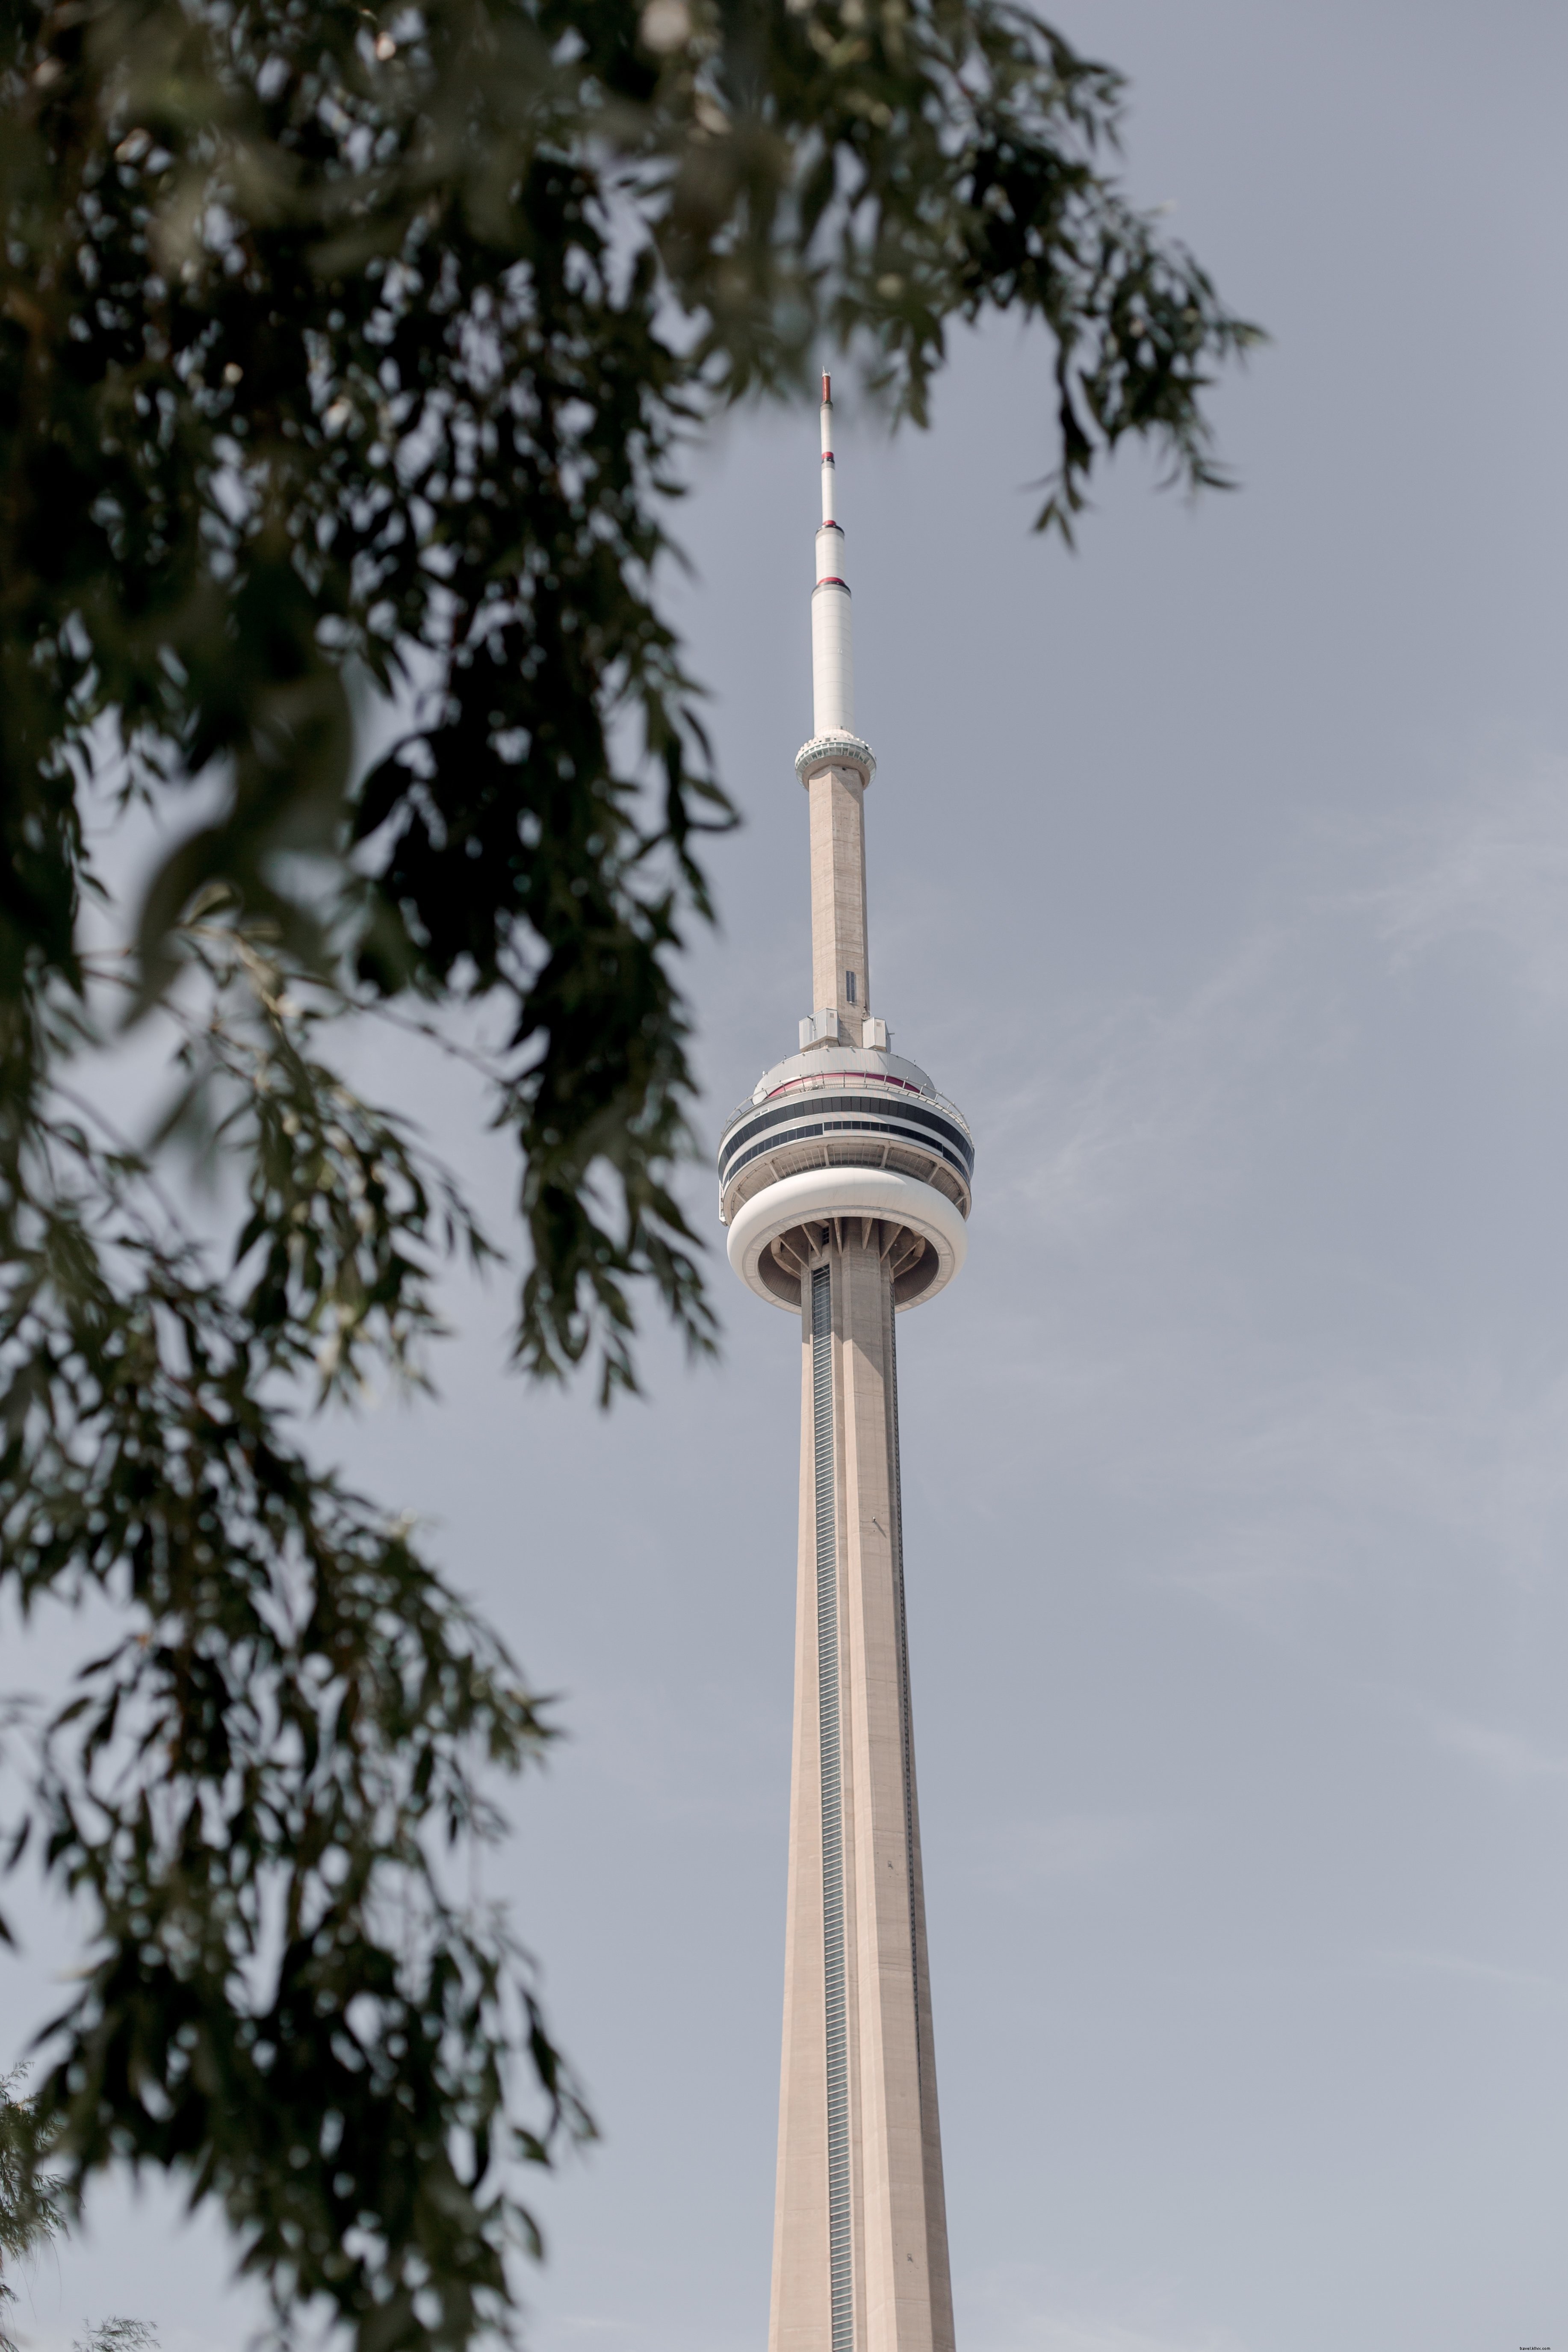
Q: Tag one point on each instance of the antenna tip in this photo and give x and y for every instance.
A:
(826, 388)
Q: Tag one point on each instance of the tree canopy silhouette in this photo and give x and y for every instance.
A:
(350, 349)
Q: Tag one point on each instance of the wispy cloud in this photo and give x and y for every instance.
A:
(578, 2325)
(1079, 2331)
(1318, 1468)
(1142, 1101)
(1506, 1755)
(1493, 1974)
(1127, 1100)
(1219, 1174)
(1021, 1856)
(1024, 2307)
(1493, 867)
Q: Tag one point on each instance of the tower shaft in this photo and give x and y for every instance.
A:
(840, 952)
(845, 1183)
(860, 2261)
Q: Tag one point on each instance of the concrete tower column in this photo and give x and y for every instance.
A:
(840, 955)
(860, 2261)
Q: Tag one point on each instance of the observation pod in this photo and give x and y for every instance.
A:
(845, 1184)
(845, 1136)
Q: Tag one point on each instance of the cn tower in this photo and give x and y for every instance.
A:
(845, 1184)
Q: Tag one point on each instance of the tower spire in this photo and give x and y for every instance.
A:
(836, 767)
(832, 626)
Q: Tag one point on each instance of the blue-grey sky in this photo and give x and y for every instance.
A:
(1220, 872)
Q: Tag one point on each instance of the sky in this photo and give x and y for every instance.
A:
(1219, 872)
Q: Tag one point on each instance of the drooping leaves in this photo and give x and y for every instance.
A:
(347, 353)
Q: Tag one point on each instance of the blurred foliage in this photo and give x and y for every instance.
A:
(347, 357)
(31, 2208)
(117, 2335)
(32, 2216)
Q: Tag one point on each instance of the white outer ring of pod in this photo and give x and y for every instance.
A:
(819, 1193)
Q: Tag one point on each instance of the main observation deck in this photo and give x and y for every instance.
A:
(838, 1133)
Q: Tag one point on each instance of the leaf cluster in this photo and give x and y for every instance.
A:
(33, 2216)
(31, 2205)
(117, 2335)
(262, 1786)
